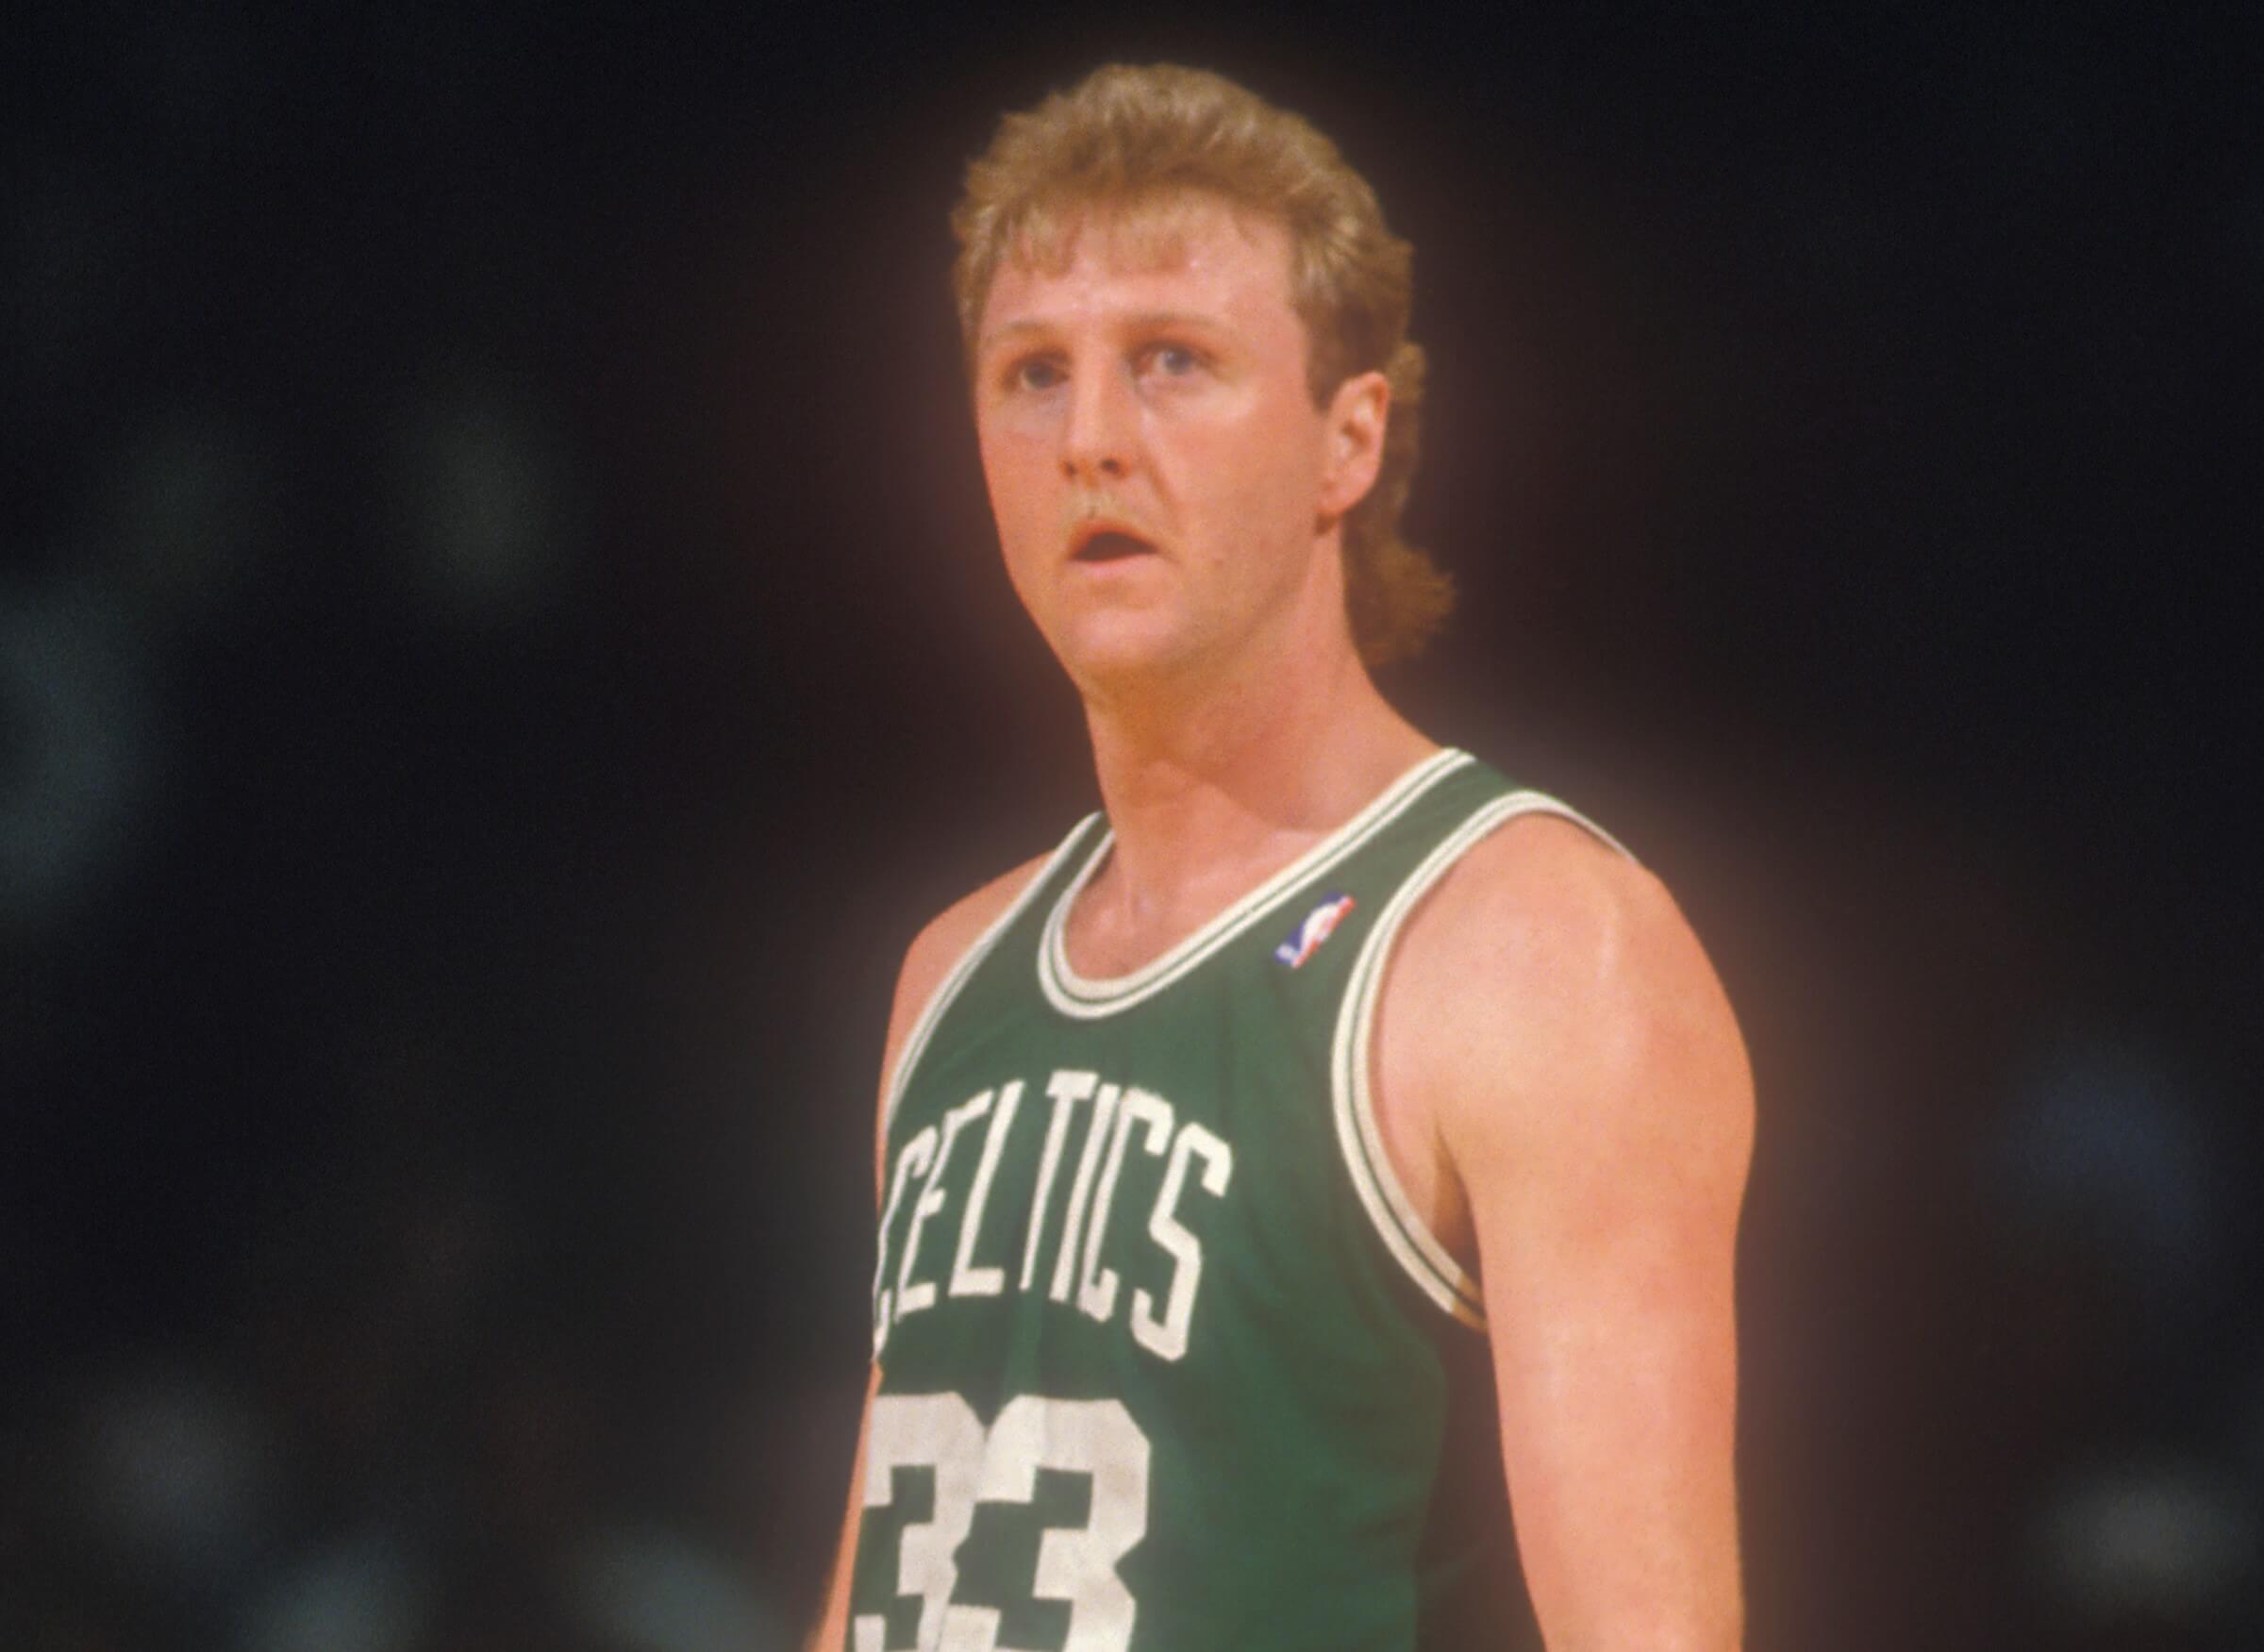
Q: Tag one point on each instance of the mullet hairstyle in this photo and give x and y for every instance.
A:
(1135, 140)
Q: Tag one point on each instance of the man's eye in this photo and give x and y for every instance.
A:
(1174, 361)
(1035, 374)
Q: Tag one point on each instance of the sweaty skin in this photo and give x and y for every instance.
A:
(1558, 1080)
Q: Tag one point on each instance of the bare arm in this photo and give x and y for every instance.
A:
(928, 961)
(1565, 1054)
(832, 1631)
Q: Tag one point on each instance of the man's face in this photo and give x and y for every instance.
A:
(1155, 459)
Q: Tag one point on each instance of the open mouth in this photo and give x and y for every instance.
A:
(1111, 545)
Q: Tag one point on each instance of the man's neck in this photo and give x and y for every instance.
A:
(1208, 793)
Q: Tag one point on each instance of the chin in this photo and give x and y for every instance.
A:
(1124, 650)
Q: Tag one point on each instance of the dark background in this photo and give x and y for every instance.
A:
(501, 646)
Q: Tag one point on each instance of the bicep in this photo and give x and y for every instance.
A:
(927, 962)
(832, 1629)
(922, 969)
(1614, 1343)
(1601, 1146)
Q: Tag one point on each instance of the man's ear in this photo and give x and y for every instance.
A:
(1356, 416)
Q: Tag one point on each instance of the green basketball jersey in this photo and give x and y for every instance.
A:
(1168, 1363)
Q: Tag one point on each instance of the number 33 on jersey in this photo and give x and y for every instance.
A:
(1168, 1363)
(970, 1467)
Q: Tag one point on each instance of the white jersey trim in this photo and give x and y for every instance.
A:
(1086, 999)
(1404, 1232)
(931, 1013)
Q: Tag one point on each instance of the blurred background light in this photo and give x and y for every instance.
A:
(75, 756)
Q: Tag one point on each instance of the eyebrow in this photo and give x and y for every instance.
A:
(1145, 321)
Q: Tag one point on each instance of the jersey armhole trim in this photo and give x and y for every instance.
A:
(1412, 1244)
(931, 1013)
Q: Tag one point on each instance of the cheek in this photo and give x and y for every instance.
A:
(1250, 482)
(1024, 508)
(1016, 472)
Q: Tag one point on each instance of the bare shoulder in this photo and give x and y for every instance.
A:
(944, 940)
(1580, 1088)
(1552, 986)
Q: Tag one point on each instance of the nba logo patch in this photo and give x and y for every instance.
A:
(1306, 939)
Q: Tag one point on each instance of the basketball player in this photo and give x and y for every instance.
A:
(1332, 1147)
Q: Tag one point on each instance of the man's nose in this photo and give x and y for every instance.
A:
(1103, 429)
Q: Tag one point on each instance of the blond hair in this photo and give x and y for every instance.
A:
(1136, 140)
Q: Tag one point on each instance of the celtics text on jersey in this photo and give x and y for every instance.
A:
(1168, 1360)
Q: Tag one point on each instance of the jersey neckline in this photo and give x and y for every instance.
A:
(1087, 999)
